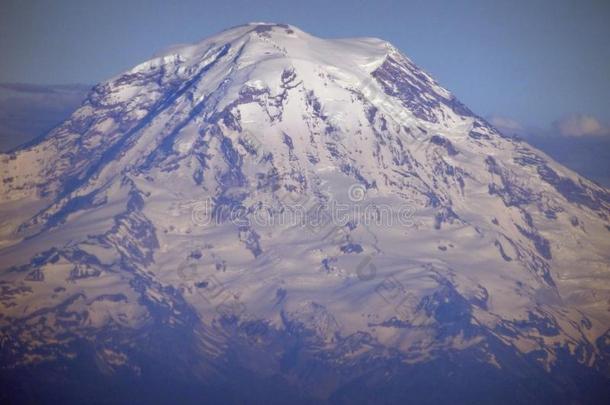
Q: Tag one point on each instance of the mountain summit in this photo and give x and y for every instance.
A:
(301, 218)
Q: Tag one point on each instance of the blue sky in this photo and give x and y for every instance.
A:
(532, 61)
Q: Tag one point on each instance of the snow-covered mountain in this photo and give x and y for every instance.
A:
(301, 218)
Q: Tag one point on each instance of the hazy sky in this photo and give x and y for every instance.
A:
(534, 61)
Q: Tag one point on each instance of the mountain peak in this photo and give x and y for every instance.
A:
(267, 40)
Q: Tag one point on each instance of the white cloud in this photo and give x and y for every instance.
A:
(30, 110)
(581, 125)
(506, 125)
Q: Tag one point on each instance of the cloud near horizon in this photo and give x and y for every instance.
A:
(30, 110)
(570, 126)
(506, 125)
(576, 125)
